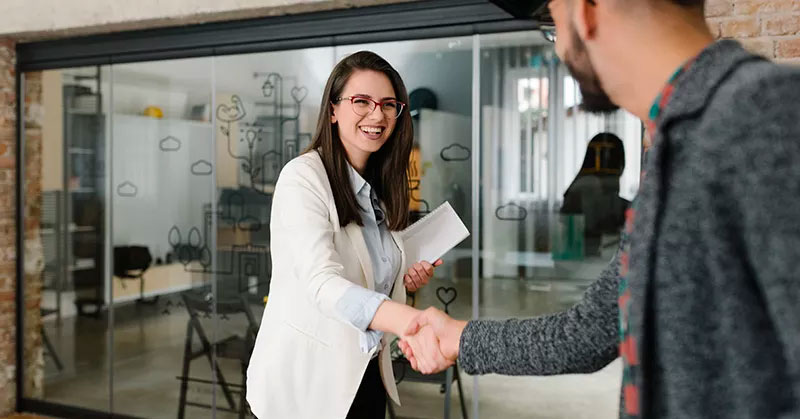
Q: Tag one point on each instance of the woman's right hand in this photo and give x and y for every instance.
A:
(419, 274)
(424, 344)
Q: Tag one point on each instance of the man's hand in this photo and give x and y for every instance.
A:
(426, 345)
(419, 274)
(447, 332)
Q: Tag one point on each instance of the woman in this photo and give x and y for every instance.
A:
(594, 193)
(339, 279)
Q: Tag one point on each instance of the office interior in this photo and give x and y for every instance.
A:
(155, 208)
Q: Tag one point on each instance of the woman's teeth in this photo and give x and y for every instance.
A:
(372, 130)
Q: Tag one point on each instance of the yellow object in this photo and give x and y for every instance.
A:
(154, 112)
(414, 178)
(266, 297)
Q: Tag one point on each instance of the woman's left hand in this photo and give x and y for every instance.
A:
(419, 274)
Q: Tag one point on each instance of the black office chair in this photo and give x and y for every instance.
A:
(233, 347)
(130, 263)
(403, 371)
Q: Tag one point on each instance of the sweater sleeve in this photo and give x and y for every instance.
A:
(583, 339)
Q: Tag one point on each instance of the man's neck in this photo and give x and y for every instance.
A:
(652, 58)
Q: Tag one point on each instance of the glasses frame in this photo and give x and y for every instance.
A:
(549, 33)
(375, 104)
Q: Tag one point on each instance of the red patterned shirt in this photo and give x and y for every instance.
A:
(627, 345)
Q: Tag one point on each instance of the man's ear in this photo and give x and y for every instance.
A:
(584, 15)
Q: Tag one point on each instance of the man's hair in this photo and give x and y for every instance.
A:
(689, 3)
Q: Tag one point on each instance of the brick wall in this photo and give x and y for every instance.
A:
(34, 253)
(7, 228)
(33, 250)
(767, 27)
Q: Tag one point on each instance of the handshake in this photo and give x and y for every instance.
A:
(431, 341)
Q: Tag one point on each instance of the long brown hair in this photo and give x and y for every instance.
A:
(387, 168)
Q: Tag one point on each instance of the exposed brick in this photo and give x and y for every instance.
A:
(740, 27)
(789, 61)
(716, 8)
(788, 48)
(714, 26)
(752, 7)
(781, 24)
(7, 214)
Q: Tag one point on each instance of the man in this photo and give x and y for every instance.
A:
(703, 298)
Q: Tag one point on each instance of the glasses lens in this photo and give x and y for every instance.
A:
(549, 34)
(392, 109)
(362, 106)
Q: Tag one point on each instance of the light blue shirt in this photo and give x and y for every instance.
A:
(358, 305)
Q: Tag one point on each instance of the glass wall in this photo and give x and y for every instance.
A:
(161, 159)
(66, 138)
(167, 169)
(438, 76)
(555, 182)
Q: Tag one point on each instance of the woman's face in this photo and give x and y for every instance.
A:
(364, 134)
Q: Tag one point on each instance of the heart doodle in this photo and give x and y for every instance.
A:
(446, 295)
(299, 93)
(232, 113)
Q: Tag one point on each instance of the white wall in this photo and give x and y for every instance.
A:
(167, 193)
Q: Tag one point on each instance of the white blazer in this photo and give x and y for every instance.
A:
(307, 362)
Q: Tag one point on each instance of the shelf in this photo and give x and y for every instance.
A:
(72, 229)
(121, 116)
(79, 150)
(84, 112)
(82, 265)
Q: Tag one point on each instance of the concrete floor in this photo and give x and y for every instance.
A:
(149, 343)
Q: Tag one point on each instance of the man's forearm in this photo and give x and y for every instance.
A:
(582, 339)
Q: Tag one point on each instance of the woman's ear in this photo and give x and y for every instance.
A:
(333, 115)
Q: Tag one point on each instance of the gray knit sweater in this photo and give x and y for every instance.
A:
(715, 259)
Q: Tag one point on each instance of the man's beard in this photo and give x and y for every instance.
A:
(594, 98)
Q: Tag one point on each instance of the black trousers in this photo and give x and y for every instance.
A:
(370, 401)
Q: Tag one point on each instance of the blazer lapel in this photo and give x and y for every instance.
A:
(399, 292)
(353, 231)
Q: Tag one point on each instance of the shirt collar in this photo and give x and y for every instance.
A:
(698, 79)
(664, 97)
(357, 182)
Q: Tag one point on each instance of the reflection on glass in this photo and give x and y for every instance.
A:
(551, 202)
(65, 143)
(593, 198)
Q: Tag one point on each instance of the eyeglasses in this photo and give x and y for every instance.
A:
(549, 33)
(363, 106)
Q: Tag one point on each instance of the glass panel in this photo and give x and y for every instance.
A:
(552, 206)
(438, 76)
(162, 165)
(66, 116)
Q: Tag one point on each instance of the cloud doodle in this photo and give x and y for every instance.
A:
(455, 152)
(511, 212)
